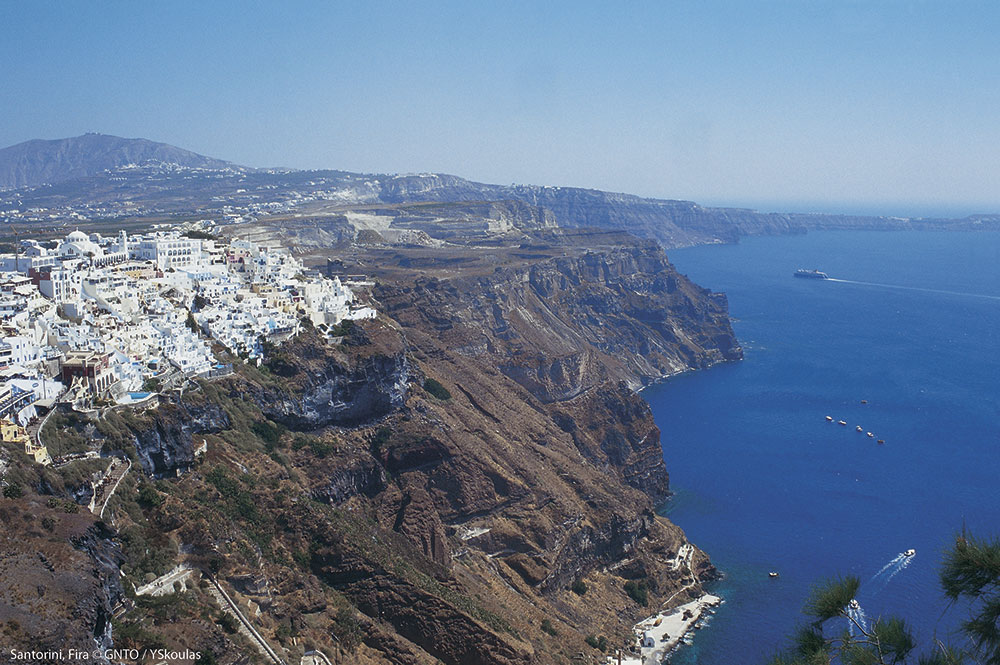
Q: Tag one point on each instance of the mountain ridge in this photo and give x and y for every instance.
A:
(114, 177)
(46, 161)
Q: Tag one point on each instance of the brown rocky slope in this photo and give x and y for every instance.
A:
(469, 479)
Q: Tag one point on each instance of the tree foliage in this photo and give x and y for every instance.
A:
(971, 572)
(828, 600)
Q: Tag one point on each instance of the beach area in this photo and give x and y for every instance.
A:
(660, 634)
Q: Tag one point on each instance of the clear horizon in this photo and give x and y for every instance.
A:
(775, 105)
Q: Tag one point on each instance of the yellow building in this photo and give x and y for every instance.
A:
(11, 432)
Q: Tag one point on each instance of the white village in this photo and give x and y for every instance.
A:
(95, 321)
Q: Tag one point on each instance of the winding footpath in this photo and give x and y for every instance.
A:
(105, 488)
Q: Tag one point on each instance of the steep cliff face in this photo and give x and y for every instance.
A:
(558, 322)
(315, 385)
(164, 439)
(431, 486)
(673, 223)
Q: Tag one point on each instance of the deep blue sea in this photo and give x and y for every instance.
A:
(762, 482)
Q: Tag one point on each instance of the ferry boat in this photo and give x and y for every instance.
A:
(812, 274)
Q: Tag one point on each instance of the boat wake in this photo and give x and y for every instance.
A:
(856, 617)
(914, 288)
(881, 579)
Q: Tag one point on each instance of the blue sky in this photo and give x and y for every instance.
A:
(854, 106)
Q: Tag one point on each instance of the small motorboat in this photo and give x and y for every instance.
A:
(829, 419)
(870, 435)
(864, 401)
(854, 604)
(859, 428)
(772, 574)
(910, 552)
(841, 422)
(881, 441)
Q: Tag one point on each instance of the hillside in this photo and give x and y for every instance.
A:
(469, 480)
(38, 161)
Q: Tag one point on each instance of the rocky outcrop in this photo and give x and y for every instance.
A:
(560, 322)
(342, 395)
(417, 614)
(593, 546)
(325, 386)
(614, 429)
(165, 443)
(359, 477)
(106, 560)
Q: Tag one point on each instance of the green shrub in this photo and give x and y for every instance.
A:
(13, 491)
(228, 623)
(548, 628)
(638, 591)
(382, 436)
(149, 497)
(599, 643)
(320, 448)
(579, 587)
(267, 432)
(342, 329)
(347, 629)
(434, 387)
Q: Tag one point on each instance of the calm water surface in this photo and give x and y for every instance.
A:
(764, 483)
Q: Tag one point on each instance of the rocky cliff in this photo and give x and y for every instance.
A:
(469, 479)
(672, 223)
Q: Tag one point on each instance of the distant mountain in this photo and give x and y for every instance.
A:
(88, 176)
(39, 161)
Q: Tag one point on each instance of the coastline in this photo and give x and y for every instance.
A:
(665, 631)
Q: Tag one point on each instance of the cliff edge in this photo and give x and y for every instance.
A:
(471, 478)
